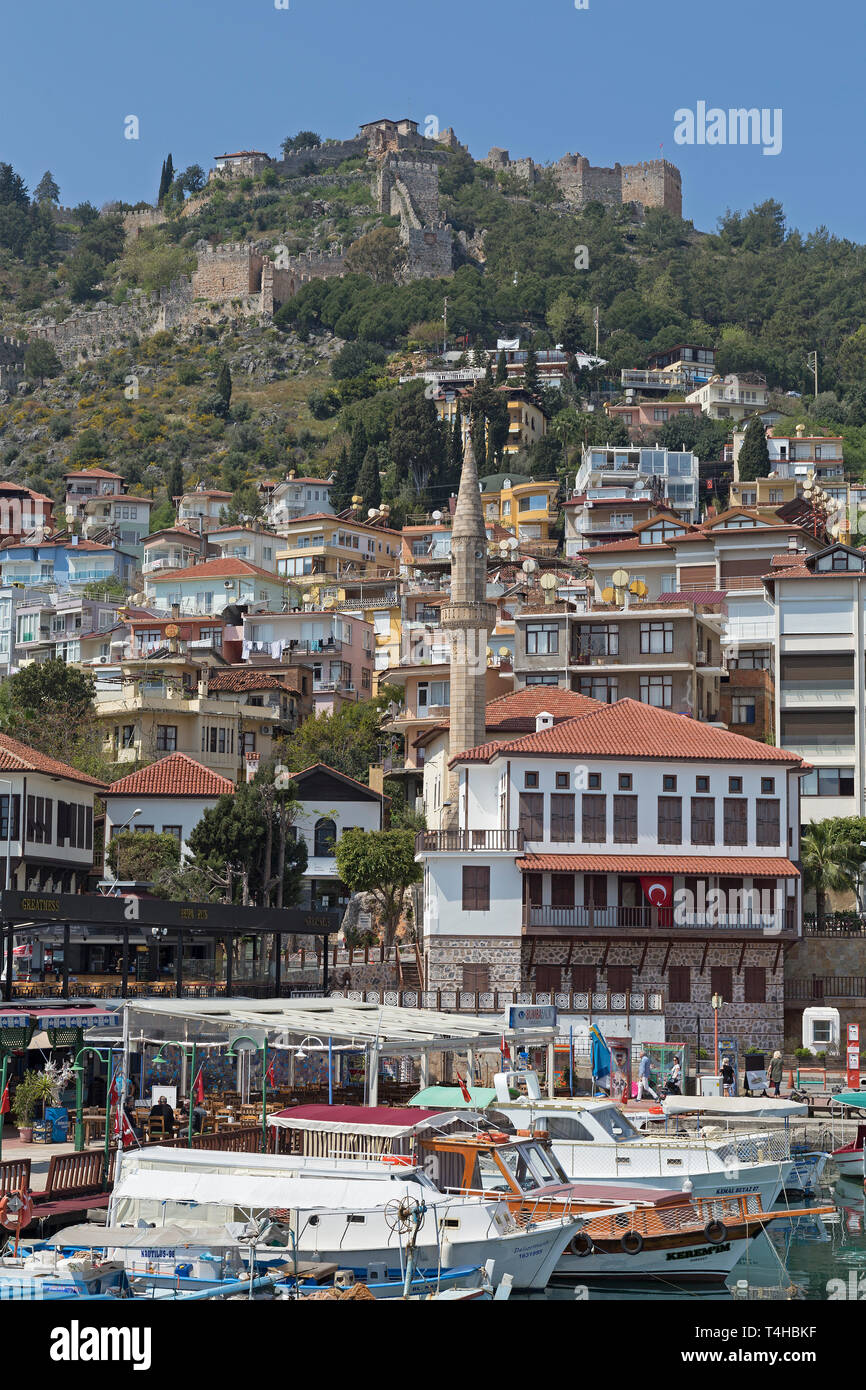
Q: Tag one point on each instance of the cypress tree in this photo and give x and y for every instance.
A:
(754, 460)
(224, 385)
(530, 371)
(501, 369)
(369, 484)
(341, 492)
(166, 179)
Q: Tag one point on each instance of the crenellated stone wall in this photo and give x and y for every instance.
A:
(653, 184)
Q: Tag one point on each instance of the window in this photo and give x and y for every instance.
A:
(669, 783)
(702, 784)
(619, 978)
(476, 978)
(603, 688)
(594, 781)
(166, 738)
(735, 825)
(562, 779)
(735, 784)
(596, 639)
(657, 637)
(7, 833)
(128, 736)
(324, 838)
(768, 786)
(542, 639)
(548, 977)
(722, 981)
(562, 818)
(703, 820)
(743, 709)
(562, 890)
(247, 743)
(828, 781)
(39, 819)
(594, 819)
(755, 984)
(657, 691)
(542, 680)
(476, 896)
(624, 781)
(532, 815)
(530, 779)
(625, 820)
(174, 830)
(365, 679)
(679, 984)
(670, 820)
(767, 821)
(583, 978)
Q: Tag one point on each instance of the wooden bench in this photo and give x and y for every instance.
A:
(74, 1185)
(14, 1173)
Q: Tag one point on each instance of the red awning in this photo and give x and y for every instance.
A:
(752, 866)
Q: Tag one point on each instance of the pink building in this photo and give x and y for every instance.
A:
(645, 417)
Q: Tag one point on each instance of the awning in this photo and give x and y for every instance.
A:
(740, 1107)
(255, 1192)
(76, 1018)
(169, 1238)
(741, 866)
(379, 1122)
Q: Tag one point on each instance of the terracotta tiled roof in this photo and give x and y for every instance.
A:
(91, 473)
(175, 775)
(17, 757)
(120, 497)
(760, 865)
(173, 531)
(514, 711)
(220, 568)
(630, 543)
(246, 679)
(247, 530)
(629, 729)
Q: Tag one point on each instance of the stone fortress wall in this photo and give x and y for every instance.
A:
(653, 184)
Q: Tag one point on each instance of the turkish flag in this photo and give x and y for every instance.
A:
(658, 889)
(464, 1089)
(4, 1100)
(198, 1087)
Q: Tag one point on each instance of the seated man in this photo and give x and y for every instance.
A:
(162, 1110)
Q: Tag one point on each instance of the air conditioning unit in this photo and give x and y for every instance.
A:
(103, 660)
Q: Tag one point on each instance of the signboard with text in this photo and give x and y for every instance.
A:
(853, 1057)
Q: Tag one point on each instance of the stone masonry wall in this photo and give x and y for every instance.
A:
(12, 352)
(447, 955)
(227, 272)
(654, 183)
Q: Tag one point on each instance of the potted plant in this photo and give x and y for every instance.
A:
(24, 1104)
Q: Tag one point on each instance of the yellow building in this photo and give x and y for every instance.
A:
(328, 547)
(522, 506)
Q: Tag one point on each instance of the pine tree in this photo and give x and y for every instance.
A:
(46, 190)
(501, 369)
(224, 384)
(341, 492)
(369, 485)
(166, 179)
(754, 460)
(530, 371)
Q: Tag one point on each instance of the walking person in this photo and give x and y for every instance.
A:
(643, 1079)
(675, 1078)
(728, 1077)
(775, 1072)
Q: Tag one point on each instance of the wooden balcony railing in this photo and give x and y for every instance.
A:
(554, 919)
(460, 841)
(498, 1000)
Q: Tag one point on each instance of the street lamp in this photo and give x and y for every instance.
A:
(118, 830)
(300, 1054)
(247, 1044)
(79, 1120)
(717, 1001)
(189, 1050)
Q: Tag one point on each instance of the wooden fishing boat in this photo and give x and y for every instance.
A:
(849, 1158)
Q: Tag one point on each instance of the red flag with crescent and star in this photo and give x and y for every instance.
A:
(658, 889)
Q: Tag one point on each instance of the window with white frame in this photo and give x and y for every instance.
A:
(656, 690)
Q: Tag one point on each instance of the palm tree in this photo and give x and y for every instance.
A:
(831, 858)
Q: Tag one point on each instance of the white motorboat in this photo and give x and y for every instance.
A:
(356, 1213)
(595, 1141)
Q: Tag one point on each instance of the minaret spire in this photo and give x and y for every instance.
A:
(468, 618)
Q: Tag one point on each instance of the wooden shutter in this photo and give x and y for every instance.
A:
(670, 823)
(532, 815)
(594, 808)
(755, 984)
(548, 977)
(619, 978)
(562, 818)
(679, 985)
(697, 576)
(625, 820)
(722, 981)
(476, 888)
(735, 820)
(583, 978)
(767, 821)
(703, 820)
(476, 978)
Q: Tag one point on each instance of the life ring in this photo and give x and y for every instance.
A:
(16, 1221)
(715, 1232)
(632, 1242)
(496, 1136)
(582, 1244)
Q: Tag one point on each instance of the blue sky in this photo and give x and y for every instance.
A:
(204, 76)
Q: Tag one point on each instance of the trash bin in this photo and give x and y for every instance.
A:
(57, 1116)
(711, 1085)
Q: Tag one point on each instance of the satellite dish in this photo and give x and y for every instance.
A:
(620, 578)
(489, 651)
(371, 512)
(607, 594)
(171, 630)
(548, 581)
(328, 603)
(529, 566)
(437, 516)
(504, 651)
(638, 587)
(512, 543)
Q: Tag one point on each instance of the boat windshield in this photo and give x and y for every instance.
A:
(546, 1159)
(614, 1123)
(525, 1166)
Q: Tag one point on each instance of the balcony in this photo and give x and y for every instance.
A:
(497, 1001)
(462, 841)
(633, 379)
(546, 920)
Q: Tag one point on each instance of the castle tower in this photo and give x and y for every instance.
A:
(468, 618)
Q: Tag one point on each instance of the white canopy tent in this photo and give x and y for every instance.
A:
(339, 1024)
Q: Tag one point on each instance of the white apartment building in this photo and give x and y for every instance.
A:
(667, 475)
(732, 397)
(819, 604)
(49, 838)
(294, 497)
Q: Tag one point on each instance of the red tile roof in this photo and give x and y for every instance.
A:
(735, 865)
(704, 596)
(219, 568)
(629, 729)
(175, 775)
(91, 473)
(515, 711)
(17, 757)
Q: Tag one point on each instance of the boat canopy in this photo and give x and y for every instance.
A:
(259, 1193)
(379, 1120)
(451, 1098)
(742, 1107)
(173, 1236)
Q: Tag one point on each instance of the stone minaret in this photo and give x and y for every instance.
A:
(467, 618)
